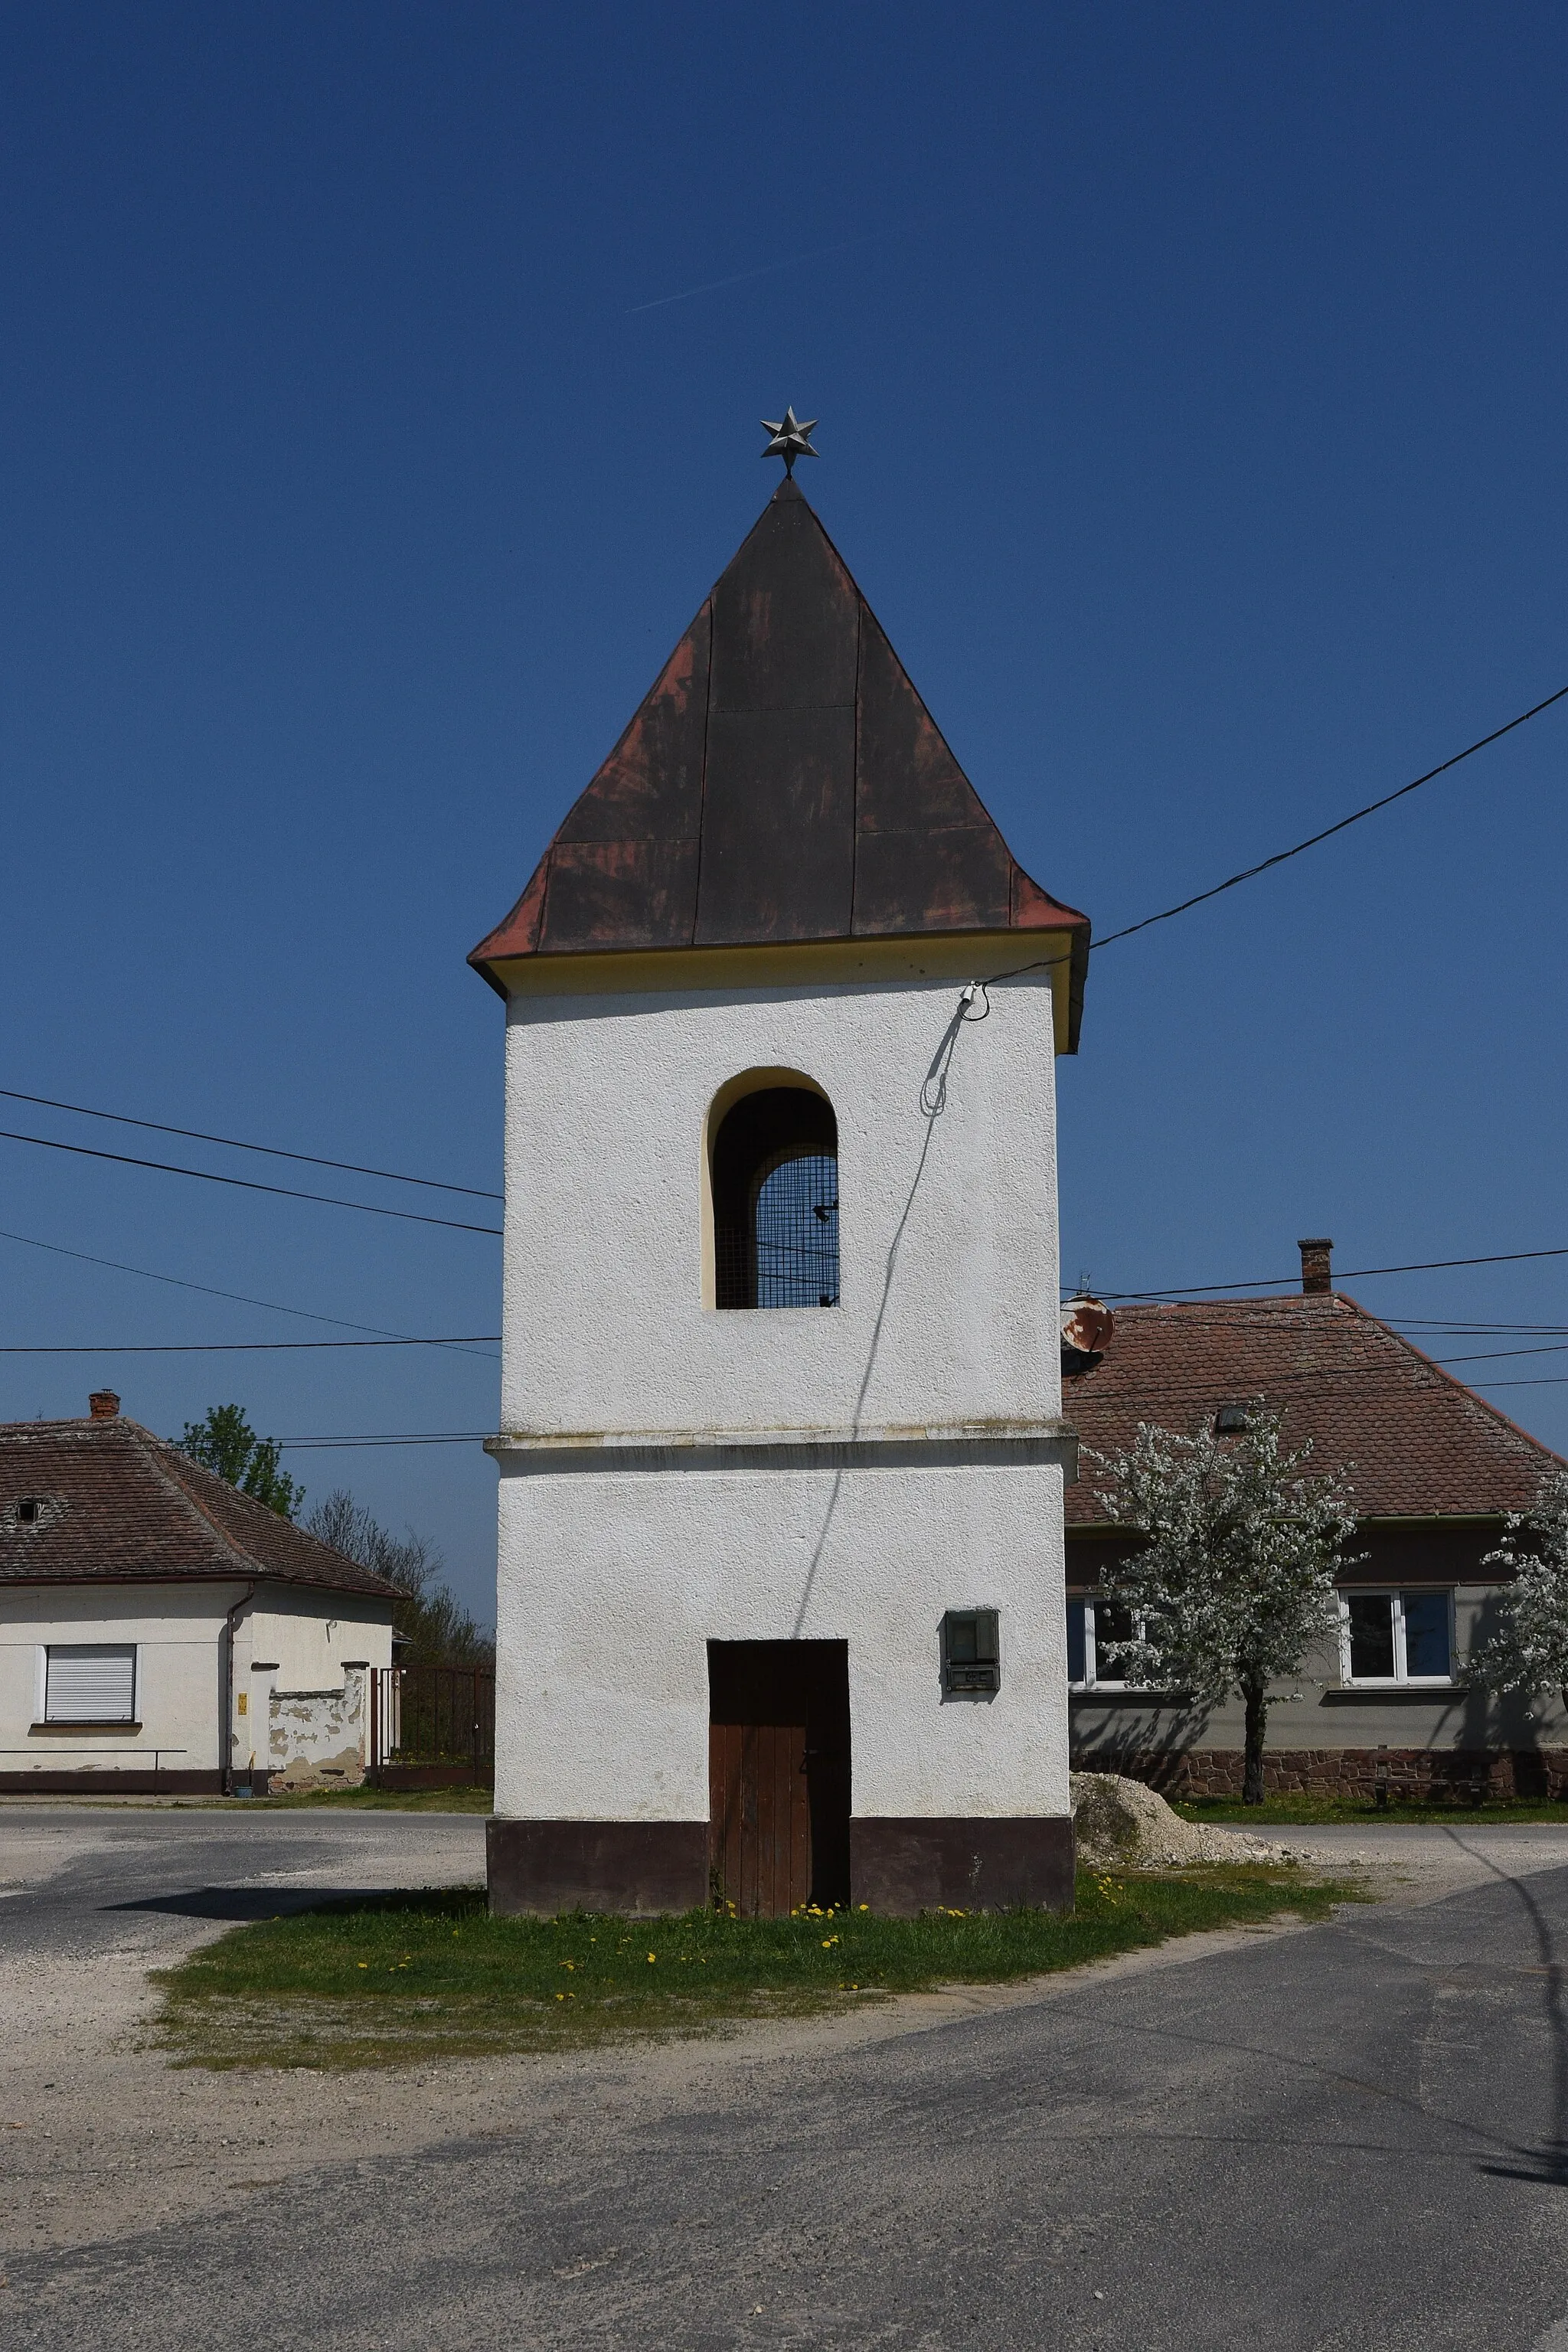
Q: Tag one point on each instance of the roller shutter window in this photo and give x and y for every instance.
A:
(90, 1682)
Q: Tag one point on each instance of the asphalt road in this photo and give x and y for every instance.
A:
(83, 1881)
(1352, 2138)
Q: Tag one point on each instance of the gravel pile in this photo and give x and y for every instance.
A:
(1123, 1825)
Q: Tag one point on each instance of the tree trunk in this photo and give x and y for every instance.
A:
(1256, 1696)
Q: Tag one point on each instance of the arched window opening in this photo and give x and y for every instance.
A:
(775, 1201)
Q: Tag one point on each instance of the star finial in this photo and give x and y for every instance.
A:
(792, 439)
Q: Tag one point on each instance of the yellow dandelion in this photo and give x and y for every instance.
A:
(651, 1958)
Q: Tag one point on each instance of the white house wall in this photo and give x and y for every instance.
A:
(309, 1638)
(176, 1630)
(290, 1646)
(297, 1660)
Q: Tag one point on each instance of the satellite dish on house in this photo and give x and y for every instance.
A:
(1088, 1327)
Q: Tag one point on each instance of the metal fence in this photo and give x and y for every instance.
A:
(432, 1727)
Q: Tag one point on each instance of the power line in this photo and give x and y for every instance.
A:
(1351, 1273)
(237, 1297)
(1281, 856)
(1491, 1355)
(1185, 906)
(1250, 872)
(248, 1183)
(476, 1436)
(427, 1437)
(273, 1150)
(241, 1346)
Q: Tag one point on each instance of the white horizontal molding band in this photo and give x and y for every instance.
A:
(961, 1445)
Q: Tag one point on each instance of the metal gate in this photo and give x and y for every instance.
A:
(432, 1727)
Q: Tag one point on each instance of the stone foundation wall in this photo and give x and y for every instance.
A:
(1431, 1776)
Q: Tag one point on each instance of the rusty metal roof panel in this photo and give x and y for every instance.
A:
(959, 876)
(782, 781)
(778, 826)
(786, 617)
(618, 894)
(908, 781)
(650, 787)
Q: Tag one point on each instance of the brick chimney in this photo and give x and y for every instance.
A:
(1317, 1264)
(103, 1404)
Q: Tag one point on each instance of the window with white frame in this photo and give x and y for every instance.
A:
(90, 1682)
(1397, 1637)
(1096, 1629)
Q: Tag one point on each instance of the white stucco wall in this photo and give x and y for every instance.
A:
(310, 1636)
(607, 1099)
(318, 1739)
(612, 1581)
(285, 1640)
(295, 1657)
(177, 1631)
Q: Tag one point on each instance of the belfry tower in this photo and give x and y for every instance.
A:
(780, 1607)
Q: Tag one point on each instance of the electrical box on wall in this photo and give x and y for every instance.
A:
(971, 1653)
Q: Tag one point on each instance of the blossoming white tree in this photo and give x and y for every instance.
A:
(1234, 1582)
(1527, 1648)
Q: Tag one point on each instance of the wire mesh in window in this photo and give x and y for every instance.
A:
(775, 1201)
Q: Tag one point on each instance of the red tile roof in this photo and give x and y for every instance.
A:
(119, 1504)
(1415, 1442)
(782, 781)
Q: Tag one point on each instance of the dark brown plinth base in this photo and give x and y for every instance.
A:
(896, 1866)
(1457, 1776)
(109, 1784)
(633, 1866)
(425, 1776)
(903, 1866)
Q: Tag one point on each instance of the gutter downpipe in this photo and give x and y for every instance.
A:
(226, 1703)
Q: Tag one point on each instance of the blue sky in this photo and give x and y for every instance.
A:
(1192, 396)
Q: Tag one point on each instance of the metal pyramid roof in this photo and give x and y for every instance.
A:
(780, 782)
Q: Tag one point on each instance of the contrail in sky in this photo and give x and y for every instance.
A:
(768, 270)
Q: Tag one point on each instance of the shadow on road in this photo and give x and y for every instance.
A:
(1546, 2164)
(243, 1903)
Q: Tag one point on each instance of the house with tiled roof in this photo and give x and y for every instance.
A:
(162, 1632)
(1434, 1469)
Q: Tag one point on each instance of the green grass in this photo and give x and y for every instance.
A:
(412, 1977)
(361, 1800)
(1282, 1811)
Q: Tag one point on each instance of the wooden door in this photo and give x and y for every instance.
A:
(779, 1774)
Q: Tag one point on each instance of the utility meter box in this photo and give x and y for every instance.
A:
(971, 1653)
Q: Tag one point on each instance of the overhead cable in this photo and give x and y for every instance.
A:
(248, 1184)
(1351, 1273)
(1250, 872)
(478, 1436)
(1165, 915)
(232, 1143)
(241, 1346)
(207, 1289)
